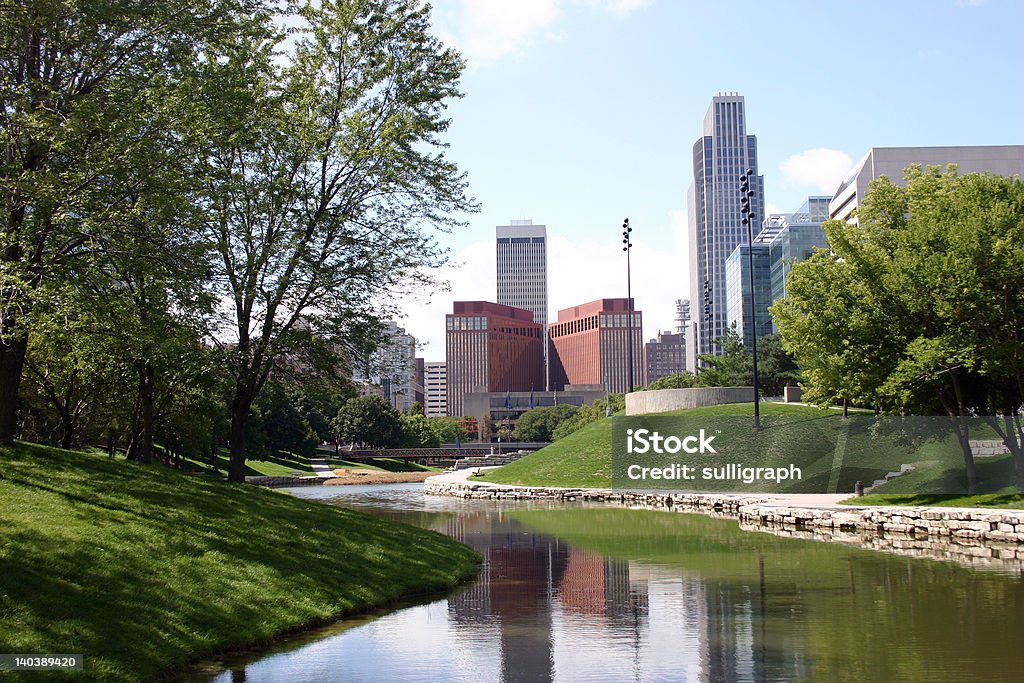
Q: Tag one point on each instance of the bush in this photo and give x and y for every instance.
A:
(588, 414)
(538, 424)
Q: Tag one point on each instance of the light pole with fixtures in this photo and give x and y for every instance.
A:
(747, 209)
(627, 245)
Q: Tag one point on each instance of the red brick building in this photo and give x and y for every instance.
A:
(588, 346)
(491, 347)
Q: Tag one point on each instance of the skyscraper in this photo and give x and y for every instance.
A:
(522, 250)
(720, 156)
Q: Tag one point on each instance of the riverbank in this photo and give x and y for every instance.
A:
(145, 569)
(967, 532)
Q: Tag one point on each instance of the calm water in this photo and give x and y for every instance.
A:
(605, 594)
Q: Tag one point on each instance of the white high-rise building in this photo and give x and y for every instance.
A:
(1006, 160)
(435, 382)
(392, 367)
(720, 157)
(522, 250)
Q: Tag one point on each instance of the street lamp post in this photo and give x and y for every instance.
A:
(747, 209)
(627, 245)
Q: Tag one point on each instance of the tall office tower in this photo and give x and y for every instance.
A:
(589, 346)
(490, 347)
(435, 381)
(522, 250)
(720, 156)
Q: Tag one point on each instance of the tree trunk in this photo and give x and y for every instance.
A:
(12, 361)
(236, 464)
(240, 407)
(67, 439)
(963, 434)
(142, 450)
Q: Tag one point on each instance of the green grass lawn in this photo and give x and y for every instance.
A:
(290, 464)
(584, 457)
(143, 569)
(1014, 501)
(803, 435)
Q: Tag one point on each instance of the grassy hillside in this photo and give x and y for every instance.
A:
(143, 568)
(290, 464)
(584, 457)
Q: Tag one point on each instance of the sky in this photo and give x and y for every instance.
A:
(580, 113)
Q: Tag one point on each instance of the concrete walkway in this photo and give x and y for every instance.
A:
(321, 469)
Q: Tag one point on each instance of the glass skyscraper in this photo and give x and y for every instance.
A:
(796, 236)
(720, 156)
(784, 239)
(737, 288)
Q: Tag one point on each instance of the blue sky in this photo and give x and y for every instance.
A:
(578, 113)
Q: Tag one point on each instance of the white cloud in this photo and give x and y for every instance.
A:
(485, 31)
(770, 209)
(472, 276)
(969, 3)
(821, 168)
(619, 8)
(578, 272)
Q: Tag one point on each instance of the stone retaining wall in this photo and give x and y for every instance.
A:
(1000, 526)
(663, 400)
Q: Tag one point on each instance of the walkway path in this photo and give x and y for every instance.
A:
(321, 469)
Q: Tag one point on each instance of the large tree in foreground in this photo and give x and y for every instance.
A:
(919, 307)
(325, 174)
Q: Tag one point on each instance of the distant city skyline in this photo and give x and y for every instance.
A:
(581, 113)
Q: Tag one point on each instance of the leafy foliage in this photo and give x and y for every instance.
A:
(540, 423)
(919, 308)
(679, 380)
(587, 414)
(369, 421)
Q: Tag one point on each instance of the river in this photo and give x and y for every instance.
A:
(606, 594)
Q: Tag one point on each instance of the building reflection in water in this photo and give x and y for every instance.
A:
(560, 611)
(677, 597)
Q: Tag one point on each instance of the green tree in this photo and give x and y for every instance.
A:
(325, 172)
(540, 423)
(679, 380)
(733, 368)
(418, 431)
(448, 429)
(919, 307)
(776, 369)
(370, 421)
(615, 403)
(278, 426)
(72, 380)
(88, 92)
